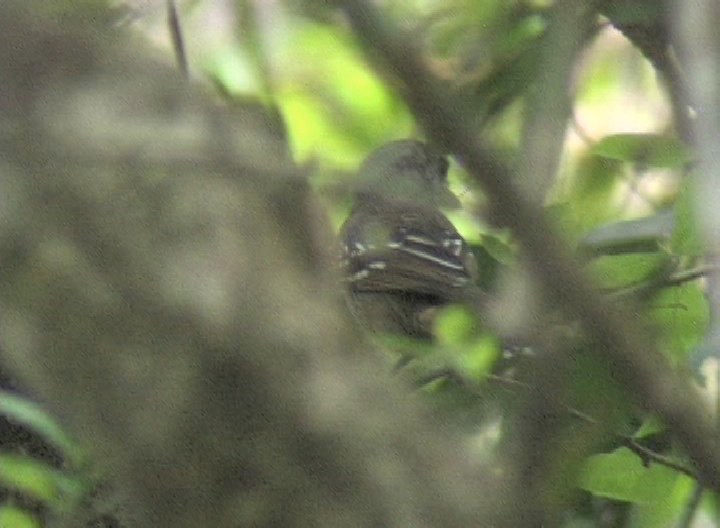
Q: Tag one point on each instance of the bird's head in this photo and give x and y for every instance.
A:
(406, 170)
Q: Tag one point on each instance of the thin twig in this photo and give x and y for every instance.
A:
(646, 454)
(178, 40)
(684, 276)
(675, 279)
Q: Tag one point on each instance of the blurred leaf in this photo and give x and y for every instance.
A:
(506, 82)
(36, 479)
(478, 359)
(649, 427)
(482, 32)
(488, 266)
(499, 247)
(455, 325)
(681, 317)
(687, 239)
(621, 475)
(589, 199)
(594, 389)
(668, 512)
(250, 34)
(336, 105)
(233, 72)
(308, 125)
(624, 270)
(497, 44)
(596, 176)
(13, 517)
(650, 150)
(26, 412)
(457, 330)
(630, 236)
(523, 35)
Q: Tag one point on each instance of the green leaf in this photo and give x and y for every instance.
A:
(650, 150)
(621, 475)
(649, 427)
(455, 325)
(479, 358)
(499, 248)
(681, 315)
(666, 514)
(630, 236)
(589, 199)
(625, 270)
(457, 330)
(36, 479)
(28, 413)
(335, 105)
(686, 239)
(11, 516)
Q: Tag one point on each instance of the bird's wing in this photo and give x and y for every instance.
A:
(412, 249)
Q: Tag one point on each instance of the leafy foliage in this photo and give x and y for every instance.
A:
(621, 199)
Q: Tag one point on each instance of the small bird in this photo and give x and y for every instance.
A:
(402, 258)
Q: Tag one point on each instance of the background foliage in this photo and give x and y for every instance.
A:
(621, 198)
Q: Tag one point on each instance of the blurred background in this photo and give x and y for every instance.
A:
(621, 199)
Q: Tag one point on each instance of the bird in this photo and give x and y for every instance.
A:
(402, 259)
